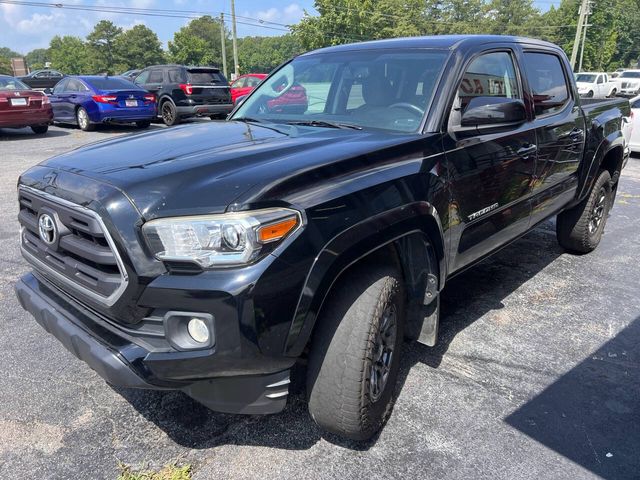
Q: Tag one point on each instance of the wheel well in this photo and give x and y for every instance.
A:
(612, 162)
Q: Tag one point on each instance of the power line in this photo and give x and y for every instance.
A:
(149, 12)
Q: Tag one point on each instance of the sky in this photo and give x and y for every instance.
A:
(23, 28)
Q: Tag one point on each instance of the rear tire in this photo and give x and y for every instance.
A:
(613, 93)
(355, 353)
(580, 228)
(143, 124)
(82, 118)
(40, 129)
(589, 94)
(169, 113)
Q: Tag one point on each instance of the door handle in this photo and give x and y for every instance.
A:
(527, 150)
(576, 135)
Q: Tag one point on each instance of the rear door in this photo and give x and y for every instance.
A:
(560, 130)
(208, 86)
(77, 94)
(490, 169)
(151, 80)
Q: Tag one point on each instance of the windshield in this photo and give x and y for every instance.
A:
(630, 75)
(586, 78)
(10, 83)
(111, 83)
(370, 89)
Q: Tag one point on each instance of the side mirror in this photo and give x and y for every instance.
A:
(482, 111)
(48, 91)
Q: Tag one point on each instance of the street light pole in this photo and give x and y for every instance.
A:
(236, 67)
(576, 41)
(224, 47)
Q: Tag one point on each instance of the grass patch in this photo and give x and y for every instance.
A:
(172, 471)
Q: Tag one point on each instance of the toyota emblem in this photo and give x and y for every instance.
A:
(47, 229)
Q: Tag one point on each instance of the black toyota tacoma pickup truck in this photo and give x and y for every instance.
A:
(315, 228)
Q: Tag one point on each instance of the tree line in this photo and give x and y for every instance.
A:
(613, 37)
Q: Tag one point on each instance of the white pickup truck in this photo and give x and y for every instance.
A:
(628, 83)
(596, 85)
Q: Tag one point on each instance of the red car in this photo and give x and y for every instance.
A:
(22, 107)
(244, 84)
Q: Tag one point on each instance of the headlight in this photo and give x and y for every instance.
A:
(229, 239)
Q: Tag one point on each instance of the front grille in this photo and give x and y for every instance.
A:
(80, 254)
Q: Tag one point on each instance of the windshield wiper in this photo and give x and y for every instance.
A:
(324, 124)
(248, 119)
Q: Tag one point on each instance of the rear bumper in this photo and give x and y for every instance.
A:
(107, 113)
(126, 364)
(26, 119)
(195, 110)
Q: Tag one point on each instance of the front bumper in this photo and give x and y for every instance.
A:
(121, 361)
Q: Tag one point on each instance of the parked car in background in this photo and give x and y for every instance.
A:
(184, 92)
(595, 85)
(42, 79)
(89, 100)
(244, 84)
(631, 128)
(131, 74)
(628, 83)
(21, 106)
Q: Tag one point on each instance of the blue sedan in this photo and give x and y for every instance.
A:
(90, 100)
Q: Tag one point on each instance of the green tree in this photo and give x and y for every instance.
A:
(69, 54)
(9, 53)
(5, 66)
(263, 54)
(198, 43)
(138, 47)
(102, 42)
(37, 58)
(511, 17)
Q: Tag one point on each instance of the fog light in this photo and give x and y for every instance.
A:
(198, 330)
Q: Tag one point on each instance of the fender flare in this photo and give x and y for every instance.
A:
(419, 219)
(612, 141)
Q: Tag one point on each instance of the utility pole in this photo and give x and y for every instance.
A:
(224, 48)
(236, 67)
(576, 42)
(584, 34)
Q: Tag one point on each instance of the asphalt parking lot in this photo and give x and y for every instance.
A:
(537, 375)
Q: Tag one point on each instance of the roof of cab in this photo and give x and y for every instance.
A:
(434, 41)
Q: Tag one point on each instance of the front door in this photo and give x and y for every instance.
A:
(490, 169)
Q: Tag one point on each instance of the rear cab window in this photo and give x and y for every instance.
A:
(547, 81)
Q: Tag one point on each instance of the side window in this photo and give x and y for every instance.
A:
(61, 86)
(42, 75)
(240, 83)
(547, 81)
(142, 78)
(252, 81)
(73, 86)
(600, 79)
(636, 104)
(489, 75)
(55, 74)
(175, 76)
(155, 76)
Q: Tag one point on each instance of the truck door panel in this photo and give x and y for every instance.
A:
(560, 133)
(490, 173)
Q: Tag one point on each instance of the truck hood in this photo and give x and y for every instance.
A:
(583, 85)
(204, 167)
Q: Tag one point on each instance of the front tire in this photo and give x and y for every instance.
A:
(82, 118)
(40, 129)
(580, 228)
(355, 353)
(169, 113)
